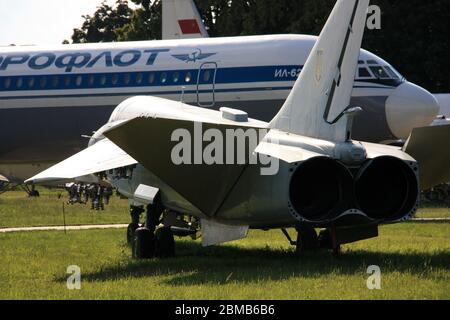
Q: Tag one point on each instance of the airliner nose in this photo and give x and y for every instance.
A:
(408, 107)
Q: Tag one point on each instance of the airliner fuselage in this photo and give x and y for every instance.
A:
(51, 96)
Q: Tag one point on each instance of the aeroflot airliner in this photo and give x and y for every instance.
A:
(51, 96)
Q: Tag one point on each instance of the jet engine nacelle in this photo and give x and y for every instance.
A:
(323, 183)
(383, 189)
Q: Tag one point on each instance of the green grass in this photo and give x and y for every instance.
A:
(414, 259)
(17, 210)
(433, 212)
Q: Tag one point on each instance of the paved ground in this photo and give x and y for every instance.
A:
(121, 226)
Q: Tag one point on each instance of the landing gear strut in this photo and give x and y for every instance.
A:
(32, 192)
(135, 213)
(150, 242)
(327, 240)
(306, 239)
(309, 241)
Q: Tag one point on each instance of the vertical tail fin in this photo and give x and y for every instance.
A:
(322, 92)
(181, 20)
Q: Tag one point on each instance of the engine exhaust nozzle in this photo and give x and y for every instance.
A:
(320, 189)
(386, 188)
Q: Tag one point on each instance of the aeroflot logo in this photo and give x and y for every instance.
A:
(194, 56)
(76, 60)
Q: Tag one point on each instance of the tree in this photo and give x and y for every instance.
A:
(415, 34)
(102, 26)
(144, 24)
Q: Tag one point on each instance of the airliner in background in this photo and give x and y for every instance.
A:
(72, 89)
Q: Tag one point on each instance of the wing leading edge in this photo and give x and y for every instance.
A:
(102, 156)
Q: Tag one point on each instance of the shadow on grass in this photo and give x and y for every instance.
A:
(197, 265)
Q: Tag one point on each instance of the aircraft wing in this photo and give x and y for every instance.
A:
(150, 141)
(102, 156)
(430, 146)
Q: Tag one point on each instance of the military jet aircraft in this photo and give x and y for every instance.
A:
(225, 173)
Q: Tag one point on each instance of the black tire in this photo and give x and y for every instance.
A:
(130, 232)
(324, 239)
(325, 242)
(165, 243)
(306, 239)
(143, 244)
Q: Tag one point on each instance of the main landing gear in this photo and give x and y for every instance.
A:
(32, 192)
(150, 241)
(309, 241)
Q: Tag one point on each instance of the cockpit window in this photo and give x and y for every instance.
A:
(379, 72)
(364, 73)
(391, 72)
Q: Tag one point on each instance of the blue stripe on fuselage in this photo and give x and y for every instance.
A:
(149, 79)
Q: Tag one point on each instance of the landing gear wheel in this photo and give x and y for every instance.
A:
(325, 241)
(130, 232)
(143, 244)
(165, 243)
(34, 194)
(306, 239)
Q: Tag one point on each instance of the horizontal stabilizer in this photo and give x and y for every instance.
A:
(430, 146)
(102, 156)
(153, 142)
(322, 92)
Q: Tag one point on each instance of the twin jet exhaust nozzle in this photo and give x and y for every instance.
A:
(383, 189)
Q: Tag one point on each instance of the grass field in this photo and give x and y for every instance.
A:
(414, 259)
(17, 210)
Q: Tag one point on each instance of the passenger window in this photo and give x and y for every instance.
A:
(115, 79)
(163, 77)
(67, 81)
(371, 62)
(127, 79)
(379, 72)
(7, 83)
(79, 81)
(364, 73)
(151, 78)
(19, 82)
(103, 80)
(188, 77)
(91, 80)
(43, 82)
(31, 83)
(139, 78)
(55, 81)
(176, 77)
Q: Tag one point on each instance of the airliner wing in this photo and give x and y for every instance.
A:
(102, 156)
(181, 20)
(430, 146)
